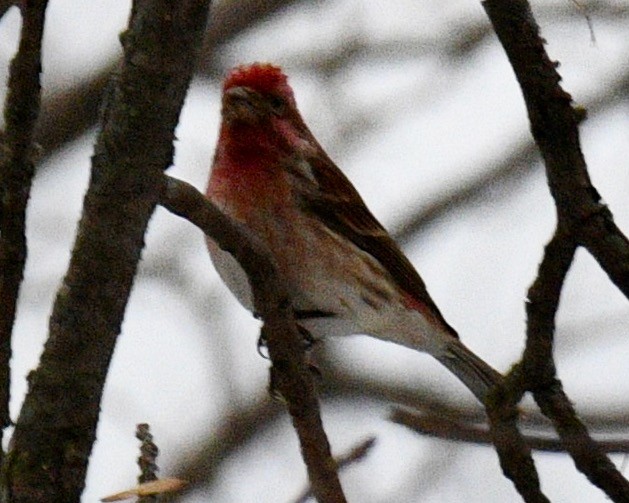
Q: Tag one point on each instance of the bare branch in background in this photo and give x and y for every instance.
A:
(516, 167)
(67, 114)
(447, 428)
(239, 427)
(231, 18)
(355, 455)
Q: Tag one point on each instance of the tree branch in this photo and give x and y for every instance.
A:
(290, 374)
(554, 124)
(537, 369)
(582, 219)
(57, 424)
(16, 175)
(513, 451)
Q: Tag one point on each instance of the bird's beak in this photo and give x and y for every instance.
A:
(239, 105)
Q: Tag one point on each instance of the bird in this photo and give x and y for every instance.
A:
(345, 273)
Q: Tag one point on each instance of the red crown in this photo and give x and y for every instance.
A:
(262, 77)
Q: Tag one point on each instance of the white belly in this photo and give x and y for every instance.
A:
(345, 287)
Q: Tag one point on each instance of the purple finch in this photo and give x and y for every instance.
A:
(345, 273)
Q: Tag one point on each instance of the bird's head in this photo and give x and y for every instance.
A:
(260, 115)
(255, 94)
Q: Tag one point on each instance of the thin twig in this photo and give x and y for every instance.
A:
(356, 454)
(147, 460)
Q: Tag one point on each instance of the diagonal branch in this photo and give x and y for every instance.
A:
(554, 124)
(356, 454)
(290, 374)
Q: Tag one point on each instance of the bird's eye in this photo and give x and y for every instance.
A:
(277, 104)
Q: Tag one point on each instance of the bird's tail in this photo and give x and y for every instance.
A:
(471, 370)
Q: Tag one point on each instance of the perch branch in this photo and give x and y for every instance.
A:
(291, 375)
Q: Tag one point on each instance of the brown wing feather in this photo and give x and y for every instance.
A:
(338, 204)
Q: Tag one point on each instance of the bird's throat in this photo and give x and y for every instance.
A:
(247, 175)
